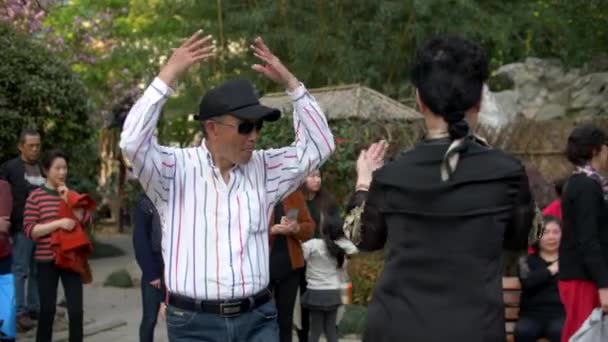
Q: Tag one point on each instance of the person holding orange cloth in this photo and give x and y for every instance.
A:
(41, 220)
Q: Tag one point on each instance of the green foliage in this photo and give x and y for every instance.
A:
(501, 82)
(372, 42)
(178, 131)
(38, 90)
(323, 42)
(364, 270)
(120, 278)
(351, 136)
(354, 320)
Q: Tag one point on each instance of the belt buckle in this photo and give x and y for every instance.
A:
(230, 309)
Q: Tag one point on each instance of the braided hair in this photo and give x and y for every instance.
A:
(449, 73)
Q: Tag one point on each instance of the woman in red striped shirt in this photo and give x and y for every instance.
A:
(39, 221)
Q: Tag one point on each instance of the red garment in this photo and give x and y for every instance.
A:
(554, 209)
(6, 207)
(579, 297)
(72, 248)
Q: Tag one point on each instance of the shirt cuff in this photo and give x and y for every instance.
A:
(160, 88)
(298, 93)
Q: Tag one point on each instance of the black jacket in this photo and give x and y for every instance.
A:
(583, 253)
(539, 294)
(442, 277)
(13, 171)
(147, 239)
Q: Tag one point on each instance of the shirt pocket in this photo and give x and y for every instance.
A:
(253, 209)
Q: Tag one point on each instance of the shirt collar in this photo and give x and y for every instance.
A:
(49, 190)
(209, 157)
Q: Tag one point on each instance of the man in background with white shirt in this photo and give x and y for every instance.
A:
(215, 199)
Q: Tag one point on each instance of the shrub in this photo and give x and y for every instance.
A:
(353, 321)
(363, 270)
(351, 136)
(120, 278)
(38, 90)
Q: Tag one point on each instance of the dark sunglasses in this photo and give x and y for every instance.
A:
(245, 127)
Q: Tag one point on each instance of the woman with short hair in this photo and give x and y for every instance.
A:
(583, 283)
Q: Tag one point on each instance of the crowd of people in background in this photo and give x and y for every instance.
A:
(34, 192)
(236, 244)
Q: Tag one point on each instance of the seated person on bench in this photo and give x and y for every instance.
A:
(541, 311)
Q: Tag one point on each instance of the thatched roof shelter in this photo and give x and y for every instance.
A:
(349, 101)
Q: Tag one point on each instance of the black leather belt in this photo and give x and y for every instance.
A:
(224, 308)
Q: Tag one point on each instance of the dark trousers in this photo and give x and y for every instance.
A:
(48, 279)
(323, 322)
(303, 333)
(285, 291)
(151, 298)
(529, 329)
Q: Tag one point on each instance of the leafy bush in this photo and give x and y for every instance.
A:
(38, 90)
(353, 321)
(351, 136)
(120, 278)
(364, 270)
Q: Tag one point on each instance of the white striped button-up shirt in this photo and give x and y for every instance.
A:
(215, 234)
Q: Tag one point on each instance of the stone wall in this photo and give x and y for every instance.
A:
(540, 90)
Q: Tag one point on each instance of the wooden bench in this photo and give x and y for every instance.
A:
(511, 290)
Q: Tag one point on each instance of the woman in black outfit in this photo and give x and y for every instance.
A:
(541, 311)
(444, 210)
(583, 277)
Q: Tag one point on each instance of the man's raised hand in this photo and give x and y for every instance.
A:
(272, 66)
(197, 48)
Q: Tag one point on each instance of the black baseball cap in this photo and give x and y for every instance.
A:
(237, 98)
